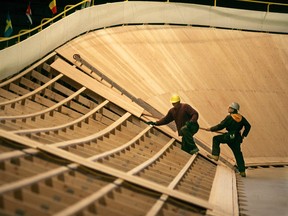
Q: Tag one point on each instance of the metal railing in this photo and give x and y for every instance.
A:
(264, 2)
(44, 23)
(48, 21)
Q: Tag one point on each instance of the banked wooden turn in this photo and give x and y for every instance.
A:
(78, 148)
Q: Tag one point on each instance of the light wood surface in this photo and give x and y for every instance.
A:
(209, 68)
(224, 184)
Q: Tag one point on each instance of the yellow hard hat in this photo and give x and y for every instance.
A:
(175, 98)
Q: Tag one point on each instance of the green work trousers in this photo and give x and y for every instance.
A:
(234, 145)
(188, 143)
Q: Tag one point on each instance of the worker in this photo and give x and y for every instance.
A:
(233, 123)
(185, 118)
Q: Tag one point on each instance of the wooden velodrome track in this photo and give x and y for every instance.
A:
(72, 144)
(209, 68)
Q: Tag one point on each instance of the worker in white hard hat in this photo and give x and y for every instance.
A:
(185, 117)
(233, 123)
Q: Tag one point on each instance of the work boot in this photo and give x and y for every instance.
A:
(243, 174)
(194, 151)
(214, 157)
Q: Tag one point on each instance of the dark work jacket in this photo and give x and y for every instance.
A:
(184, 113)
(233, 122)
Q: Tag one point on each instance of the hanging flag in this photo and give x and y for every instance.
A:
(53, 7)
(8, 29)
(29, 13)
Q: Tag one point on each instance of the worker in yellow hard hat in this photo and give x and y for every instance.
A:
(185, 117)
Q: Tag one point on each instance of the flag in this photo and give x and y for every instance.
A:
(29, 13)
(8, 29)
(53, 7)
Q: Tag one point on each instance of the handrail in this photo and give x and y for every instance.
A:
(39, 28)
(70, 7)
(265, 2)
(260, 2)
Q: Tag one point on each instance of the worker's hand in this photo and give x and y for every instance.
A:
(151, 123)
(183, 130)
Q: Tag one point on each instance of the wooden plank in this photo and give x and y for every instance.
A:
(95, 86)
(23, 97)
(7, 95)
(64, 90)
(154, 210)
(19, 139)
(60, 196)
(266, 161)
(134, 179)
(67, 125)
(110, 171)
(97, 135)
(120, 148)
(45, 111)
(19, 208)
(41, 201)
(223, 191)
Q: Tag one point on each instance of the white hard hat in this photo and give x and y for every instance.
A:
(235, 106)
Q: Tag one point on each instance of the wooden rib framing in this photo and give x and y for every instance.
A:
(85, 202)
(161, 201)
(28, 181)
(42, 113)
(64, 126)
(95, 136)
(108, 170)
(87, 81)
(24, 97)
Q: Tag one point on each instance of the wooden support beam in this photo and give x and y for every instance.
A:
(107, 170)
(97, 87)
(223, 195)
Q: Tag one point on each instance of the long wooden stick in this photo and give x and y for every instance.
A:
(220, 132)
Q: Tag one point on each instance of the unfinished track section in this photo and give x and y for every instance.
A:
(66, 149)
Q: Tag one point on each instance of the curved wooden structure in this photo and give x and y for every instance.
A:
(66, 149)
(209, 68)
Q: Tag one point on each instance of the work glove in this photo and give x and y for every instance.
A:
(183, 130)
(151, 123)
